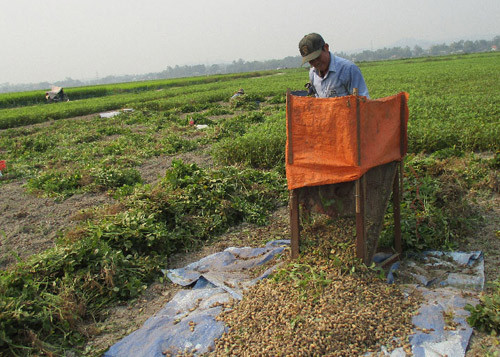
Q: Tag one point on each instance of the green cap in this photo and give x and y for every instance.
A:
(310, 47)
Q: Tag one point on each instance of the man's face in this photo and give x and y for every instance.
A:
(322, 62)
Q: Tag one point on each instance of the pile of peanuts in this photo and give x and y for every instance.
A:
(326, 303)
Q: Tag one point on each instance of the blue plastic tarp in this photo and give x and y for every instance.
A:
(442, 278)
(188, 321)
(434, 268)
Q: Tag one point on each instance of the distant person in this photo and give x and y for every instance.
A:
(330, 75)
(239, 93)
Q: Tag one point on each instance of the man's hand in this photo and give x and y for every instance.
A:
(311, 91)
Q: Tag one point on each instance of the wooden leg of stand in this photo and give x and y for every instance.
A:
(294, 223)
(360, 220)
(396, 200)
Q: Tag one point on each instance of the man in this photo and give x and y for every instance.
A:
(330, 75)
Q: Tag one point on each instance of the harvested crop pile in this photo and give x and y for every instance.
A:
(325, 303)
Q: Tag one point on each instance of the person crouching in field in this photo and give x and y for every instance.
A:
(239, 93)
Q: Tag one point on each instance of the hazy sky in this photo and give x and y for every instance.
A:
(53, 39)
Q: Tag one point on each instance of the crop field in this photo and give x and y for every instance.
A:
(149, 184)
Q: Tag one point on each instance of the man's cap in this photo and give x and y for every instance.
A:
(310, 47)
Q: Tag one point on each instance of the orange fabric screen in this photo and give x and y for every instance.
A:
(322, 137)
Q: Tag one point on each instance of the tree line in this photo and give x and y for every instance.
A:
(240, 65)
(458, 47)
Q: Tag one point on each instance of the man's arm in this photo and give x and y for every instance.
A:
(357, 81)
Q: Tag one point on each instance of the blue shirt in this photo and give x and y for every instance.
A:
(343, 75)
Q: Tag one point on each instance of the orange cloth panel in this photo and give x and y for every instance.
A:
(322, 137)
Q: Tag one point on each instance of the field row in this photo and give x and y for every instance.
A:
(12, 100)
(162, 99)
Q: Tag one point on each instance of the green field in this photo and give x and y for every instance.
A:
(454, 141)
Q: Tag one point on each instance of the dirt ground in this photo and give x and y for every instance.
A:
(487, 240)
(30, 224)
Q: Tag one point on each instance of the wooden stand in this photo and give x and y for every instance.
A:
(371, 195)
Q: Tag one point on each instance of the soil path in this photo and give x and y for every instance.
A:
(30, 224)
